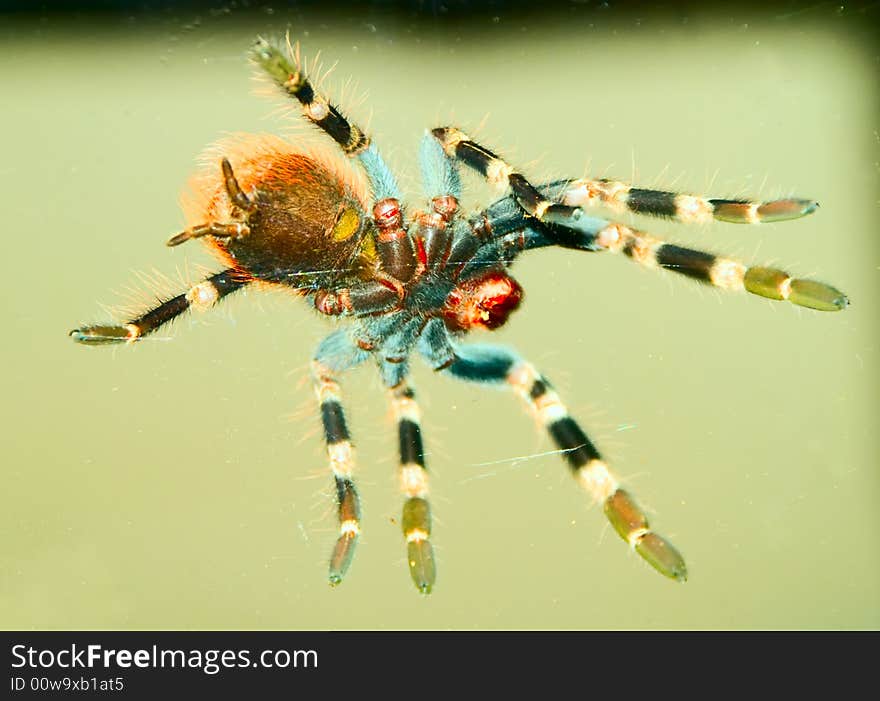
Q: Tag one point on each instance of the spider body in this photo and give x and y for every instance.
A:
(416, 283)
(292, 218)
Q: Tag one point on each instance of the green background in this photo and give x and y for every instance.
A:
(182, 483)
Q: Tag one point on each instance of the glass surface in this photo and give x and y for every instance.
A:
(182, 483)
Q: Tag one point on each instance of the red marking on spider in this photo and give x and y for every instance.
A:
(482, 302)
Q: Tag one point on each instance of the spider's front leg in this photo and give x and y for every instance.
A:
(616, 195)
(494, 365)
(592, 233)
(335, 354)
(726, 273)
(685, 208)
(512, 231)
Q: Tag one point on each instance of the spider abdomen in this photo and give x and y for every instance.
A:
(298, 236)
(303, 219)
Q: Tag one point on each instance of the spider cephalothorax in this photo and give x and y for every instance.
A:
(418, 282)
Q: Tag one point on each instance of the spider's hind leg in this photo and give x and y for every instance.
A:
(416, 519)
(338, 353)
(494, 365)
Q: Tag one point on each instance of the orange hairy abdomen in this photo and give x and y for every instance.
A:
(308, 217)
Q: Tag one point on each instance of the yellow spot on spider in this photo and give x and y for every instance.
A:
(346, 225)
(368, 249)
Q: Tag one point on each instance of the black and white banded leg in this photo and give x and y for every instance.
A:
(416, 520)
(568, 213)
(511, 232)
(202, 296)
(688, 209)
(616, 195)
(336, 354)
(495, 365)
(719, 271)
(286, 70)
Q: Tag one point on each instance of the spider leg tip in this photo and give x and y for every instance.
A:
(100, 335)
(661, 555)
(817, 295)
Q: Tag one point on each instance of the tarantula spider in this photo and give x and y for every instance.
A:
(421, 282)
